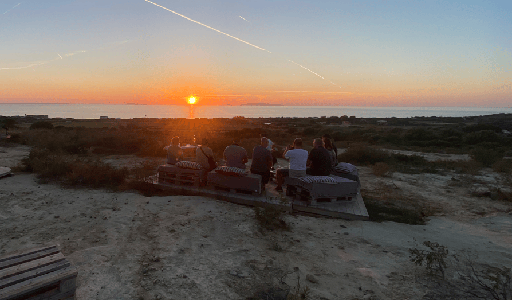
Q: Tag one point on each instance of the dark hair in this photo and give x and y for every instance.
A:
(327, 136)
(328, 144)
(175, 141)
(297, 142)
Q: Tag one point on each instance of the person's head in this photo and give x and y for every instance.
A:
(264, 142)
(327, 143)
(175, 141)
(204, 142)
(297, 143)
(318, 143)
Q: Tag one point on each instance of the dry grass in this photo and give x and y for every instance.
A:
(380, 169)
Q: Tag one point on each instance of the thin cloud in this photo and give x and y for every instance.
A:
(40, 63)
(12, 8)
(310, 92)
(209, 27)
(243, 19)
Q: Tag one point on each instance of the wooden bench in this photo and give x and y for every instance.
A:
(344, 190)
(250, 184)
(36, 274)
(179, 176)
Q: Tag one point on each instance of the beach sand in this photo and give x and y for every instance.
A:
(127, 246)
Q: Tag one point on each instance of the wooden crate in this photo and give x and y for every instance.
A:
(37, 274)
(250, 184)
(345, 190)
(174, 175)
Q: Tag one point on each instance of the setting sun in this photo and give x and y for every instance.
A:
(191, 100)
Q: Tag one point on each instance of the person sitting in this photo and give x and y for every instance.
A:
(235, 156)
(174, 152)
(328, 137)
(330, 148)
(298, 158)
(205, 157)
(262, 162)
(319, 160)
(271, 147)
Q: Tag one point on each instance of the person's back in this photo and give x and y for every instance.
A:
(202, 154)
(320, 160)
(298, 159)
(260, 159)
(235, 156)
(332, 153)
(174, 152)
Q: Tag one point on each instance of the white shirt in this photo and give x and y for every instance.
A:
(298, 159)
(270, 143)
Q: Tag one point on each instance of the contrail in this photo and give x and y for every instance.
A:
(233, 37)
(12, 8)
(243, 19)
(306, 69)
(60, 56)
(26, 67)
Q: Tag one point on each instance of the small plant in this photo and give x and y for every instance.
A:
(270, 218)
(434, 258)
(380, 169)
(299, 294)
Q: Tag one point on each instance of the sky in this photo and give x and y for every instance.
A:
(310, 52)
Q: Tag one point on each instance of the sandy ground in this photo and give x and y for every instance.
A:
(127, 246)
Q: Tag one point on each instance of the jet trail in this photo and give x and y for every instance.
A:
(163, 7)
(12, 8)
(243, 19)
(185, 17)
(60, 56)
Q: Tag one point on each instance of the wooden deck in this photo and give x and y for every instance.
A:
(349, 210)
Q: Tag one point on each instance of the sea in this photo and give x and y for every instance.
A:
(124, 111)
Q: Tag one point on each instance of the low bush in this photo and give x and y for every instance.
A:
(363, 155)
(41, 125)
(380, 169)
(95, 174)
(486, 156)
(503, 166)
(270, 219)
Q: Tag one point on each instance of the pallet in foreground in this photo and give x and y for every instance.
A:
(349, 210)
(5, 172)
(37, 274)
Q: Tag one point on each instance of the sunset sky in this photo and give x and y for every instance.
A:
(314, 52)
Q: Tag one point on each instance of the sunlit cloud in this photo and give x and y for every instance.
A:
(213, 96)
(12, 8)
(310, 92)
(191, 20)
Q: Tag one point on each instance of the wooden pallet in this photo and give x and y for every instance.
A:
(36, 274)
(175, 175)
(346, 190)
(5, 172)
(250, 184)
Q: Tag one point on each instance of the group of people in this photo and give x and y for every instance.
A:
(318, 162)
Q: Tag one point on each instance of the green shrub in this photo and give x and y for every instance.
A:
(270, 218)
(41, 125)
(485, 156)
(363, 155)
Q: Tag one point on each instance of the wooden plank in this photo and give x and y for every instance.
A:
(26, 287)
(20, 253)
(26, 257)
(339, 209)
(11, 280)
(30, 265)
